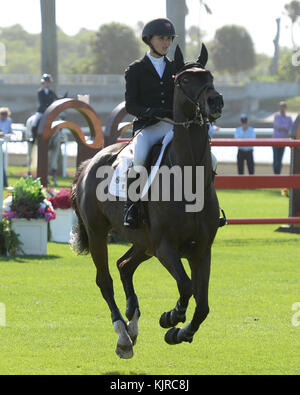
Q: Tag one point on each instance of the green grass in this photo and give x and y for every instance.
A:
(58, 323)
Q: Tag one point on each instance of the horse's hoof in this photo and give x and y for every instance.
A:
(171, 319)
(124, 352)
(171, 336)
(164, 321)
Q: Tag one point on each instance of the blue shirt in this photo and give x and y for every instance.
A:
(249, 133)
(282, 122)
(5, 126)
(211, 130)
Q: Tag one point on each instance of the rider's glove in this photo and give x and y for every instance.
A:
(158, 112)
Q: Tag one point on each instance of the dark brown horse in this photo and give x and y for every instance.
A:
(170, 233)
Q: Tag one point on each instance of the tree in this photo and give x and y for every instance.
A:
(193, 43)
(115, 47)
(293, 12)
(287, 71)
(22, 51)
(233, 50)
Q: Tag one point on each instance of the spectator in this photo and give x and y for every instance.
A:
(5, 121)
(245, 153)
(5, 128)
(282, 126)
(212, 130)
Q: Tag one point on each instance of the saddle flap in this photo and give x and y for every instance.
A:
(118, 184)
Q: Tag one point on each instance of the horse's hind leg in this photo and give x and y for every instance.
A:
(98, 248)
(127, 265)
(200, 279)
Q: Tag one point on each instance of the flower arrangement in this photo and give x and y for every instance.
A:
(60, 199)
(28, 201)
(9, 240)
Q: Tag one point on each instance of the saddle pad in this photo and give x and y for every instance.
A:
(118, 184)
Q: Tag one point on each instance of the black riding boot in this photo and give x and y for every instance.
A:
(130, 211)
(34, 131)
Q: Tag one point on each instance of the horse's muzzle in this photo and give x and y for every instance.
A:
(215, 105)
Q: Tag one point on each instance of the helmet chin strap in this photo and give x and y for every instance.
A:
(154, 50)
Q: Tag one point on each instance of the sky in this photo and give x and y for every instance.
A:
(257, 16)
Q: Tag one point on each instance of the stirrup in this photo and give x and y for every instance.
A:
(223, 220)
(130, 219)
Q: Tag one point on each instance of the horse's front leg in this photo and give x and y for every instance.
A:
(170, 259)
(200, 267)
(127, 266)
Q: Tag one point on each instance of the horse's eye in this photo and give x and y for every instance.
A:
(185, 80)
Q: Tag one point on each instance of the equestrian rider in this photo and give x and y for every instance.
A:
(46, 96)
(149, 94)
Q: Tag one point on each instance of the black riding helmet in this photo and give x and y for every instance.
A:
(46, 78)
(158, 27)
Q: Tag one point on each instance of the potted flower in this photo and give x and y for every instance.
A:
(10, 245)
(62, 203)
(29, 212)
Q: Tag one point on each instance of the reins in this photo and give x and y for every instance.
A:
(198, 117)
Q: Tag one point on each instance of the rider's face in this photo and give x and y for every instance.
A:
(161, 44)
(46, 84)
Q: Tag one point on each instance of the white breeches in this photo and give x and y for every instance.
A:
(145, 140)
(37, 117)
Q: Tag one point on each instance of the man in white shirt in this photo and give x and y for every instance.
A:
(245, 153)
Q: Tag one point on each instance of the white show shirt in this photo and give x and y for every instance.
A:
(158, 63)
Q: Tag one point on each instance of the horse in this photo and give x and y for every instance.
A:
(169, 233)
(53, 148)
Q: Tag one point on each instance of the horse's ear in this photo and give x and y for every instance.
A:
(178, 58)
(203, 57)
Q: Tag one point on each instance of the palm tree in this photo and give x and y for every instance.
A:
(293, 12)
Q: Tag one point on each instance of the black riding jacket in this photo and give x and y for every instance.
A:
(45, 100)
(145, 90)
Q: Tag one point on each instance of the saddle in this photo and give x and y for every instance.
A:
(118, 184)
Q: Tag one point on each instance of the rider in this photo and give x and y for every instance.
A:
(46, 96)
(149, 94)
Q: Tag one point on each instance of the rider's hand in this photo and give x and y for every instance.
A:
(159, 112)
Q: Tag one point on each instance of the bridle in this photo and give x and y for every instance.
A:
(198, 118)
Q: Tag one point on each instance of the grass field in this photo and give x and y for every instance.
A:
(57, 322)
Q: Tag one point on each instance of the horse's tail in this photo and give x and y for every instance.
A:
(79, 237)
